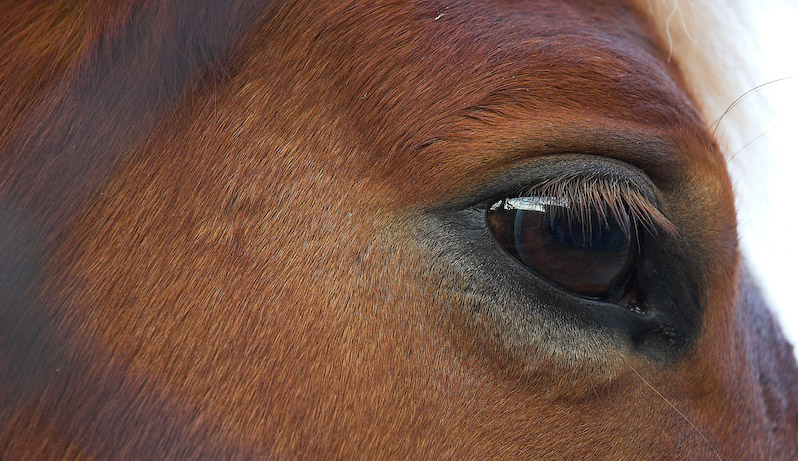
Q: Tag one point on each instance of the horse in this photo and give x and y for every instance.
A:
(417, 229)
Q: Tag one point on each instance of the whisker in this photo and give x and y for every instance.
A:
(674, 408)
(716, 123)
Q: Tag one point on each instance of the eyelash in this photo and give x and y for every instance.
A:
(603, 197)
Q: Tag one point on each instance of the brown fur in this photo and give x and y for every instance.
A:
(210, 236)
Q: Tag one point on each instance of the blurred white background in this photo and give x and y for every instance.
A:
(767, 186)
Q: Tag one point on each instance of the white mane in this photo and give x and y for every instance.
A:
(726, 53)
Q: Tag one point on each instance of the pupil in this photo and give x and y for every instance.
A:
(597, 235)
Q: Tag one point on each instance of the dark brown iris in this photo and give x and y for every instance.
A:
(590, 254)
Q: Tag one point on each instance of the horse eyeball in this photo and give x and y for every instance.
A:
(589, 253)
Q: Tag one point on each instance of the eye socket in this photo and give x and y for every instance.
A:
(590, 253)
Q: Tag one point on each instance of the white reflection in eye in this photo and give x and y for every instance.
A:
(531, 203)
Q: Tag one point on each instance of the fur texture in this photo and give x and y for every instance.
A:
(210, 246)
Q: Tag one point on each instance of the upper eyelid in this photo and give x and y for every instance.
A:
(551, 168)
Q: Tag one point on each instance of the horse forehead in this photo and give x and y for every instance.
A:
(409, 74)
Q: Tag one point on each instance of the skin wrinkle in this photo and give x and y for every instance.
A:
(245, 260)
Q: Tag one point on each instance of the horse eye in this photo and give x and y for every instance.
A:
(588, 253)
